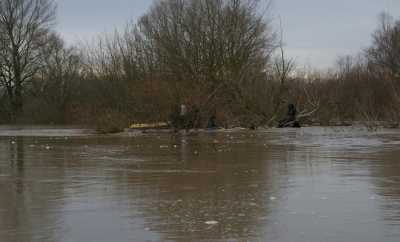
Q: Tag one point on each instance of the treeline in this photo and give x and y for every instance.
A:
(221, 58)
(365, 87)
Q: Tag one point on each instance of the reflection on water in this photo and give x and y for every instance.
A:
(313, 184)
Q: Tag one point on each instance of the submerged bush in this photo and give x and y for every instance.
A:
(111, 122)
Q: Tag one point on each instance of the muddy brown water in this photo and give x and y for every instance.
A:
(310, 184)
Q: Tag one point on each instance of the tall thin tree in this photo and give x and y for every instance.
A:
(24, 25)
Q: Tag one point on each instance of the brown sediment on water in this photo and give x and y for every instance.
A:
(223, 186)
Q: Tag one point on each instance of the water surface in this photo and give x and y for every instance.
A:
(310, 184)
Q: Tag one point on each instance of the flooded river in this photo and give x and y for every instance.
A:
(306, 185)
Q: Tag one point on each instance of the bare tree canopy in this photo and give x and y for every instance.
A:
(384, 54)
(24, 25)
(206, 39)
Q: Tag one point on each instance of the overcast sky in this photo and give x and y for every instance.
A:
(316, 32)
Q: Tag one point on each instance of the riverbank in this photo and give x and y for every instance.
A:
(71, 131)
(45, 131)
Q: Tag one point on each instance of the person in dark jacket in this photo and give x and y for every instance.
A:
(290, 120)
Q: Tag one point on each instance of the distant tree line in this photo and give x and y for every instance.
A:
(365, 87)
(220, 58)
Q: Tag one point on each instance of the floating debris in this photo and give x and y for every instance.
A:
(196, 152)
(164, 146)
(13, 142)
(47, 147)
(159, 125)
(272, 198)
(212, 222)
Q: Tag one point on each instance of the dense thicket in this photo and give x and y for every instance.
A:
(220, 58)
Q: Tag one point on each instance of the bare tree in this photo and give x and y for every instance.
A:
(210, 51)
(24, 25)
(282, 68)
(384, 54)
(57, 80)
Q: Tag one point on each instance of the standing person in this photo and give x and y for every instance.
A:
(212, 121)
(292, 112)
(183, 116)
